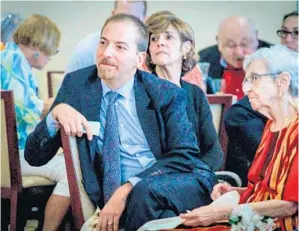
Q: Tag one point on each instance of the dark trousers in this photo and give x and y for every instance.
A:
(163, 196)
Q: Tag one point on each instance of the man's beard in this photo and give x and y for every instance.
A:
(105, 73)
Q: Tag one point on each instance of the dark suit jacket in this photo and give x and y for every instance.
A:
(212, 55)
(200, 116)
(244, 128)
(161, 108)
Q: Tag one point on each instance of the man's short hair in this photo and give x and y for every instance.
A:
(294, 13)
(143, 37)
(132, 1)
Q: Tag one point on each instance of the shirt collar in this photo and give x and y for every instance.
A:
(223, 63)
(127, 90)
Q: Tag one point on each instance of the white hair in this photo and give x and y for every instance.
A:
(278, 59)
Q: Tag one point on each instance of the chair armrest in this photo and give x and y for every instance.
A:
(229, 177)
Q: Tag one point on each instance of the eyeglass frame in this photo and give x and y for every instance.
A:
(279, 33)
(254, 77)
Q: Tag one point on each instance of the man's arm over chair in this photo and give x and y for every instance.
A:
(40, 145)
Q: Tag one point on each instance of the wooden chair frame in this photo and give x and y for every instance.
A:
(49, 80)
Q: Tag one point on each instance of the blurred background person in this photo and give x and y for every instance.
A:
(288, 32)
(171, 54)
(85, 51)
(244, 126)
(236, 38)
(35, 41)
(9, 24)
(271, 84)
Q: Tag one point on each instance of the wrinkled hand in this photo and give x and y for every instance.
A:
(220, 189)
(71, 120)
(202, 216)
(112, 211)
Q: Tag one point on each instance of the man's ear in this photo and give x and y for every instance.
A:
(283, 82)
(140, 61)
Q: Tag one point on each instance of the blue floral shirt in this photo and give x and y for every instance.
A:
(16, 75)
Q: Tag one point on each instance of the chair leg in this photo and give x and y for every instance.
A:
(13, 208)
(5, 208)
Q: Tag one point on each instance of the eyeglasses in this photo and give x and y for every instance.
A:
(253, 77)
(284, 34)
(233, 46)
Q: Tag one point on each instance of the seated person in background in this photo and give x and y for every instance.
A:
(271, 84)
(35, 41)
(171, 55)
(236, 38)
(148, 173)
(9, 24)
(244, 126)
(289, 31)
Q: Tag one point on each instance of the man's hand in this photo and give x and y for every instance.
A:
(71, 120)
(112, 211)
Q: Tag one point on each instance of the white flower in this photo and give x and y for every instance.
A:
(243, 218)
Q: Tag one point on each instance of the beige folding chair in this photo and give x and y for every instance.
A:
(28, 190)
(219, 105)
(81, 205)
(55, 79)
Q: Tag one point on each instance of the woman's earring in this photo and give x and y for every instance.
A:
(36, 55)
(184, 57)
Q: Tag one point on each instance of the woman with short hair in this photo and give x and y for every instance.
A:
(35, 41)
(271, 84)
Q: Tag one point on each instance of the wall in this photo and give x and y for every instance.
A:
(77, 19)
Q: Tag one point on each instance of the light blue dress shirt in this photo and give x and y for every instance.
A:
(135, 153)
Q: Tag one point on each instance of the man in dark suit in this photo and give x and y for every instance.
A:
(145, 162)
(236, 38)
(244, 128)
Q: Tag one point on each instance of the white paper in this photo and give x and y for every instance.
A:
(166, 223)
(229, 198)
(94, 126)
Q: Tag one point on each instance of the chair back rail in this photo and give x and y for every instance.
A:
(54, 79)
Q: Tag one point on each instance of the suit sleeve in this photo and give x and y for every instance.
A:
(181, 152)
(40, 146)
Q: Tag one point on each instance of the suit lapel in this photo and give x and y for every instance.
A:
(147, 117)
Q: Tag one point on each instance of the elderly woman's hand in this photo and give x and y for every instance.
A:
(205, 215)
(220, 189)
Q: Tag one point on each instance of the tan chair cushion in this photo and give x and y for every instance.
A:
(56, 81)
(216, 113)
(5, 171)
(31, 181)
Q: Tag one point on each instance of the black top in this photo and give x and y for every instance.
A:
(244, 128)
(200, 116)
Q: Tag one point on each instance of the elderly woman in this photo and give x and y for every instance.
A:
(35, 41)
(271, 84)
(171, 54)
(289, 31)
